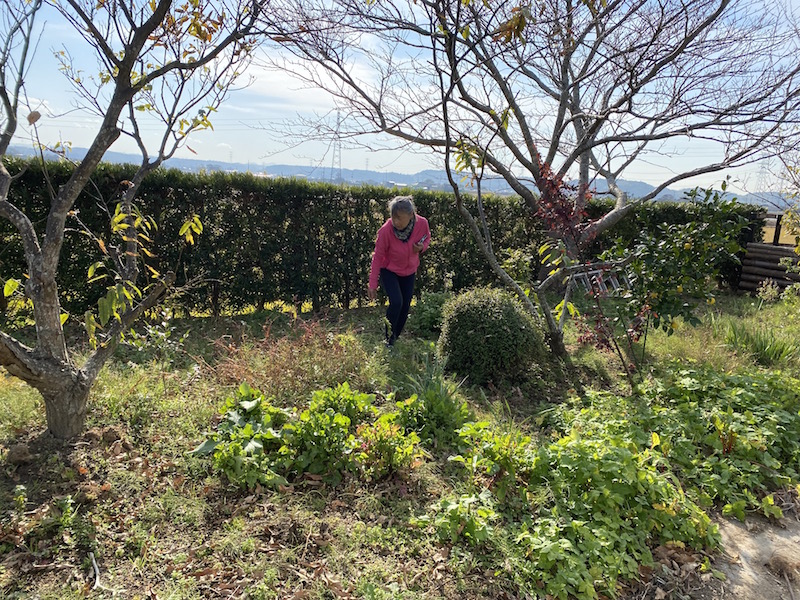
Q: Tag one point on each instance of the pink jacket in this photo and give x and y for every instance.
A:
(396, 256)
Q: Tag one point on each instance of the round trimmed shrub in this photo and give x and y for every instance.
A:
(488, 335)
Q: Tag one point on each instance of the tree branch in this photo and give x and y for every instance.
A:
(98, 358)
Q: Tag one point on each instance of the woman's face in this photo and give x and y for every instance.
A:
(401, 220)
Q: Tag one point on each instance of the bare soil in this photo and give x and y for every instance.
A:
(760, 560)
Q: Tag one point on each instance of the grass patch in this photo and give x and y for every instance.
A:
(21, 407)
(309, 357)
(563, 484)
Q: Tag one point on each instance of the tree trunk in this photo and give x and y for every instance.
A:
(65, 401)
(555, 333)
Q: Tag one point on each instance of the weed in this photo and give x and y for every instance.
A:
(768, 292)
(155, 339)
(467, 518)
(496, 460)
(235, 543)
(137, 542)
(267, 588)
(174, 509)
(436, 410)
(309, 358)
(729, 438)
(766, 348)
(427, 315)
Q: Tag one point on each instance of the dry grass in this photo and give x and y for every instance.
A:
(309, 357)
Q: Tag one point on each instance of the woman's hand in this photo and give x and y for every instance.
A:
(372, 294)
(417, 248)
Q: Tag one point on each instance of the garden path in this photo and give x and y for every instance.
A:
(760, 560)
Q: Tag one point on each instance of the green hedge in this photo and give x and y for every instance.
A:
(276, 239)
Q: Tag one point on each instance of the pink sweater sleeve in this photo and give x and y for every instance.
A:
(378, 260)
(427, 241)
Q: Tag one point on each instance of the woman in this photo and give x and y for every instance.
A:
(400, 242)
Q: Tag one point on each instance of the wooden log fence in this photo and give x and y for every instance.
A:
(763, 262)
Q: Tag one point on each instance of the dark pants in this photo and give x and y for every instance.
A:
(399, 290)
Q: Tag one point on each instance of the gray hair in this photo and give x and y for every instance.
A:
(402, 204)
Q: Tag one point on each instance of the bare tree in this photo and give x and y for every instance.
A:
(540, 92)
(162, 60)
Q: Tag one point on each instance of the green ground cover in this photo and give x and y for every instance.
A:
(403, 483)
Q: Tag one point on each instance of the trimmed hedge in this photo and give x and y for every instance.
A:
(267, 239)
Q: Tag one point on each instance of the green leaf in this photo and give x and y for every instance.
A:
(252, 447)
(245, 390)
(205, 448)
(769, 508)
(93, 268)
(90, 323)
(10, 287)
(249, 405)
(104, 311)
(736, 509)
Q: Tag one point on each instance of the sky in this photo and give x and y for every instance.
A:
(245, 126)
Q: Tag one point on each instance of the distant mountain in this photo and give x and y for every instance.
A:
(428, 179)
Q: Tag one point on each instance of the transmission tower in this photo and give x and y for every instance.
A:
(762, 184)
(336, 160)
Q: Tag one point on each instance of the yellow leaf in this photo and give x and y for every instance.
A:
(102, 245)
(10, 287)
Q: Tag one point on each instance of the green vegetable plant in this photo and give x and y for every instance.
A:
(354, 405)
(319, 443)
(466, 518)
(385, 448)
(247, 442)
(256, 443)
